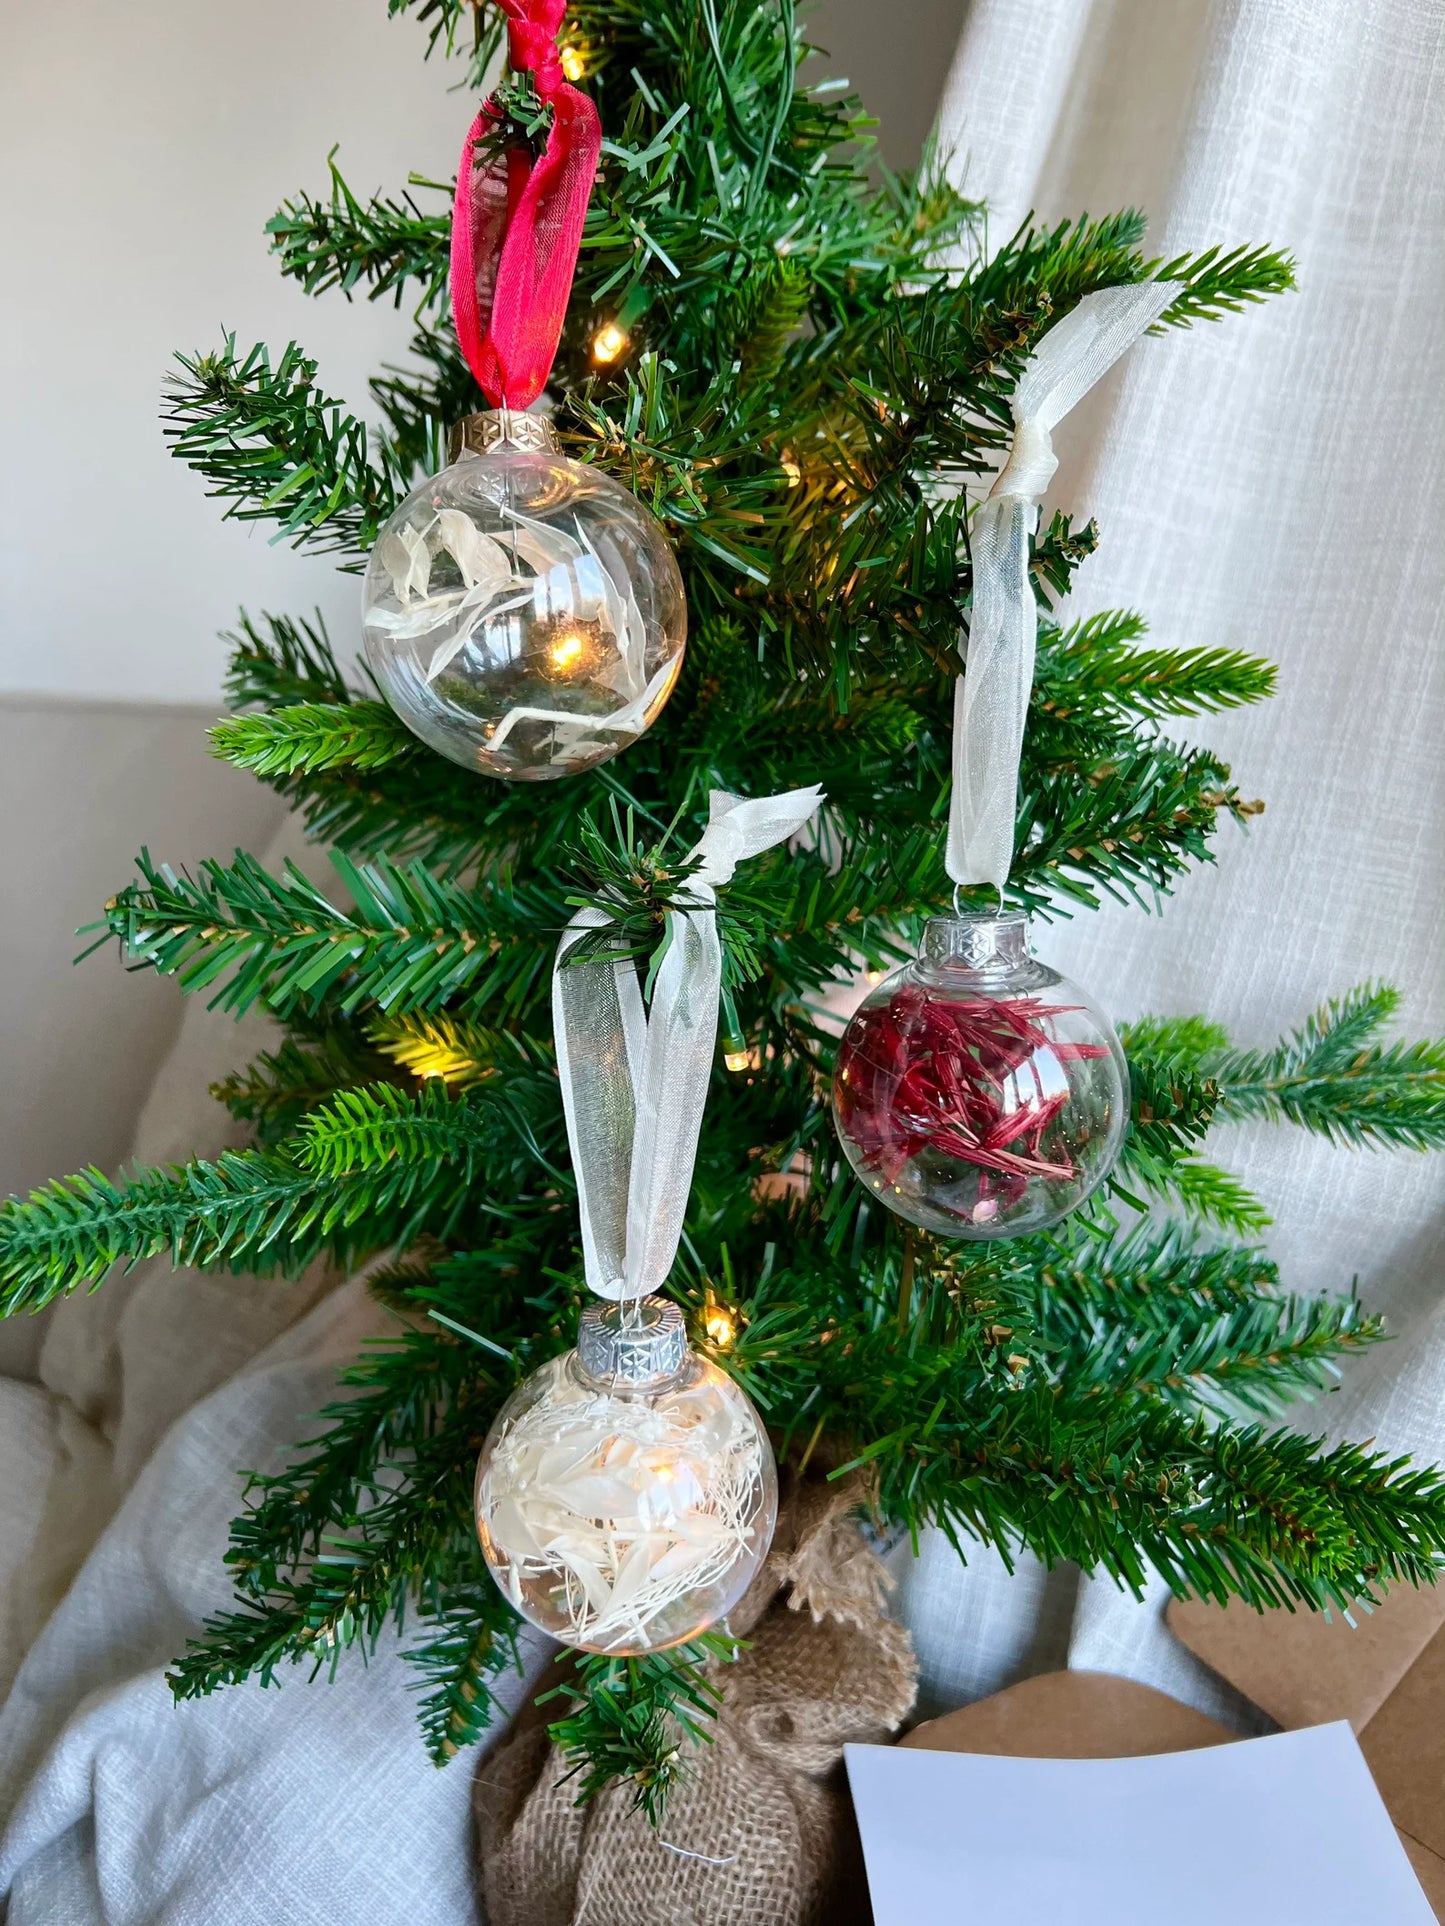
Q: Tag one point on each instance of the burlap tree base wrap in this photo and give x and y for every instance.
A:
(764, 1808)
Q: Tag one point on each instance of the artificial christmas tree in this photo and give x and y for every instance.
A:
(762, 346)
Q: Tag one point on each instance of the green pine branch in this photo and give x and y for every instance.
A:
(1334, 1076)
(1091, 671)
(277, 448)
(414, 806)
(1126, 825)
(412, 938)
(1221, 1512)
(471, 1639)
(381, 245)
(1208, 1194)
(626, 1720)
(1154, 1313)
(313, 736)
(1222, 281)
(366, 1573)
(455, 26)
(248, 1211)
(458, 1050)
(281, 663)
(372, 1167)
(277, 1089)
(396, 1396)
(1172, 1105)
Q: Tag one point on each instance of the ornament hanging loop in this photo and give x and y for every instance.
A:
(635, 1080)
(517, 223)
(532, 46)
(991, 698)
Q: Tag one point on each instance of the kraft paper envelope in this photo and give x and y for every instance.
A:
(1071, 1715)
(1385, 1674)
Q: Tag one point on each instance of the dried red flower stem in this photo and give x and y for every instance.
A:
(975, 1078)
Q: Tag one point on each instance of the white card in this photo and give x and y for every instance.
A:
(1265, 1832)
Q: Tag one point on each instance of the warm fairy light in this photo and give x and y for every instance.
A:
(566, 652)
(432, 1060)
(574, 63)
(737, 1059)
(721, 1324)
(608, 342)
(791, 469)
(874, 977)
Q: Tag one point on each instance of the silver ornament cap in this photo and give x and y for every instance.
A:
(632, 1346)
(501, 428)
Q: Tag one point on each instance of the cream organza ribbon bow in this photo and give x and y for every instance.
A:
(634, 1082)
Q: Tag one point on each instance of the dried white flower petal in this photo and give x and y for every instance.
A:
(619, 1507)
(483, 562)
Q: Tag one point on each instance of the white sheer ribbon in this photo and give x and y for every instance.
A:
(991, 700)
(634, 1083)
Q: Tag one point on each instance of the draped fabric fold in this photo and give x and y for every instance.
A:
(634, 1082)
(991, 699)
(517, 225)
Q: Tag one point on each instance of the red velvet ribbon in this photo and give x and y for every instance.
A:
(516, 227)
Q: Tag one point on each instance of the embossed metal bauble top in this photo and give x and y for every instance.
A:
(501, 428)
(979, 941)
(631, 1347)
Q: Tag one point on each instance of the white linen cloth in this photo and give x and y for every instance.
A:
(1274, 483)
(312, 1803)
(1271, 484)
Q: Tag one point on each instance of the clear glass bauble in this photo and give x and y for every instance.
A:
(626, 1494)
(977, 1092)
(523, 613)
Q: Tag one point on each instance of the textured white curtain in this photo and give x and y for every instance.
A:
(1271, 484)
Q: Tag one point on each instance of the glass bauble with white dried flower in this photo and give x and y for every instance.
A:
(626, 1494)
(977, 1092)
(523, 613)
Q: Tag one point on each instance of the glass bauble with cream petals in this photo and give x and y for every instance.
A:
(626, 1494)
(523, 613)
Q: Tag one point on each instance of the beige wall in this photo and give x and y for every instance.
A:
(82, 787)
(897, 53)
(146, 144)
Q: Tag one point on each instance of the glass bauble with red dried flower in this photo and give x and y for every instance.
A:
(977, 1092)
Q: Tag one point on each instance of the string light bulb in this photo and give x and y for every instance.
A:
(609, 343)
(736, 1054)
(789, 465)
(574, 62)
(720, 1321)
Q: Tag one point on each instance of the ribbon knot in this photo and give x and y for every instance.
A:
(532, 48)
(739, 827)
(990, 703)
(719, 853)
(634, 1082)
(1032, 462)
